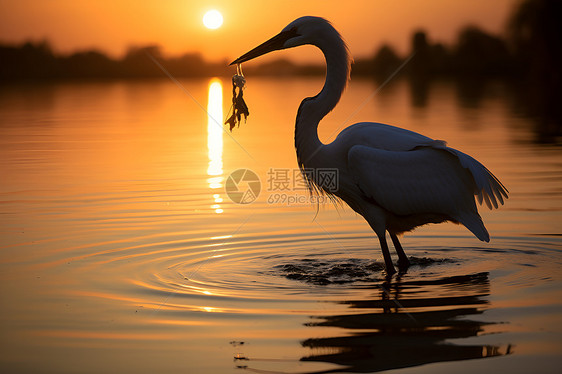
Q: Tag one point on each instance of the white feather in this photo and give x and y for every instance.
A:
(416, 182)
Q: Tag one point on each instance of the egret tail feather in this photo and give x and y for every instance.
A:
(474, 223)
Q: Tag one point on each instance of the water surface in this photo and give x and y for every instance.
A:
(121, 251)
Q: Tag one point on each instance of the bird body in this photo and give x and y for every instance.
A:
(395, 178)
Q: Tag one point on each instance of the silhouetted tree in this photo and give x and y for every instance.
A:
(420, 69)
(88, 65)
(385, 62)
(480, 54)
(441, 60)
(137, 62)
(188, 65)
(420, 66)
(28, 62)
(536, 37)
(429, 60)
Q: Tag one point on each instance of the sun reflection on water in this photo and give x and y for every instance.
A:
(215, 142)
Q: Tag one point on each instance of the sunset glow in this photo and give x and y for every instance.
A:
(212, 19)
(177, 27)
(215, 142)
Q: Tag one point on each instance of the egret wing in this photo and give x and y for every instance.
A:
(423, 180)
(488, 188)
(381, 136)
(377, 136)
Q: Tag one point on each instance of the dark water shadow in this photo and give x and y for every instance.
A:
(337, 271)
(408, 323)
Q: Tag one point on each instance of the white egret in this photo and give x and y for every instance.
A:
(395, 178)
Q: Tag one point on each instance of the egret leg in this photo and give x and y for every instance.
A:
(386, 255)
(403, 261)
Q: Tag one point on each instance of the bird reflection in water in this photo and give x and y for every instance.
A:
(403, 329)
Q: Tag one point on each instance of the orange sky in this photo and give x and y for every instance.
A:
(113, 25)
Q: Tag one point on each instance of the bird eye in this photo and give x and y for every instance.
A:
(292, 33)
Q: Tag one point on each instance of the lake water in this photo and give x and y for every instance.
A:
(122, 252)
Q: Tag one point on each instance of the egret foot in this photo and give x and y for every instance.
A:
(403, 264)
(386, 255)
(390, 270)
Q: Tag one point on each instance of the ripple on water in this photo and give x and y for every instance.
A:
(229, 273)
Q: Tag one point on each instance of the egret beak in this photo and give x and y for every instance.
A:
(273, 44)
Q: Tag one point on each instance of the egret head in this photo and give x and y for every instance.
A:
(304, 30)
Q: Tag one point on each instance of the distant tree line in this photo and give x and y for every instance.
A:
(528, 58)
(532, 46)
(36, 61)
(476, 53)
(529, 53)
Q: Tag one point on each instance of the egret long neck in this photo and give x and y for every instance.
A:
(313, 109)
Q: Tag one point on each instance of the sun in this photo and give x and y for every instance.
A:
(212, 19)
